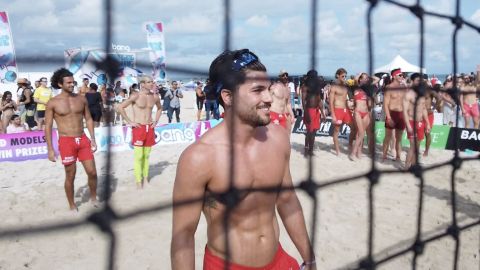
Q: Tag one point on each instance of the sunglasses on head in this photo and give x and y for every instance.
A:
(243, 59)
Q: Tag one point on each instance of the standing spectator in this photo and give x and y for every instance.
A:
(15, 125)
(118, 87)
(119, 99)
(22, 84)
(41, 96)
(26, 100)
(174, 94)
(84, 88)
(94, 104)
(200, 99)
(211, 105)
(132, 89)
(283, 77)
(108, 98)
(8, 108)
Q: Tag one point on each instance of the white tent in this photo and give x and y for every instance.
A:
(399, 62)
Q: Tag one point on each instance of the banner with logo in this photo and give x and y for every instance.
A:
(8, 65)
(439, 135)
(326, 128)
(156, 43)
(466, 139)
(25, 146)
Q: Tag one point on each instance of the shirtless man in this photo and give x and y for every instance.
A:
(68, 110)
(143, 127)
(421, 123)
(313, 105)
(262, 154)
(280, 111)
(468, 102)
(340, 109)
(84, 88)
(393, 107)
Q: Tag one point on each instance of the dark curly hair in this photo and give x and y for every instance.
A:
(58, 75)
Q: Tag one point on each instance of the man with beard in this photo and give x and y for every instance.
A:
(261, 160)
(68, 110)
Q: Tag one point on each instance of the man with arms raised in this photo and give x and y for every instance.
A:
(262, 154)
(280, 111)
(68, 110)
(143, 127)
(393, 107)
(468, 102)
(339, 106)
(414, 120)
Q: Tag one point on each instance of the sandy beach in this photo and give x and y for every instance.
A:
(32, 193)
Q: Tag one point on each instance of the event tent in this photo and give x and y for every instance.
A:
(399, 62)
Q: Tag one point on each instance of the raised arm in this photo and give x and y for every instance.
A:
(291, 213)
(190, 183)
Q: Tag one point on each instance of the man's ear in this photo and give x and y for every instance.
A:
(227, 97)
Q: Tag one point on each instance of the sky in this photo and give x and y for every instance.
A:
(278, 31)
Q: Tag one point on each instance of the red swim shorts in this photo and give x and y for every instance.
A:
(343, 116)
(430, 120)
(398, 122)
(281, 261)
(73, 148)
(314, 124)
(470, 110)
(420, 126)
(278, 119)
(143, 135)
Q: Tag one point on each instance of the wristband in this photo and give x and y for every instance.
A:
(305, 264)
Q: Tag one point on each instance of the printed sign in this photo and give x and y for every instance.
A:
(326, 128)
(25, 146)
(466, 139)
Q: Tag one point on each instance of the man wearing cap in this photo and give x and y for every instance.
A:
(41, 96)
(393, 107)
(283, 77)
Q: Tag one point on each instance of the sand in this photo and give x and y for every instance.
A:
(32, 194)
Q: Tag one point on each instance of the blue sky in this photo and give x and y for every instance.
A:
(278, 31)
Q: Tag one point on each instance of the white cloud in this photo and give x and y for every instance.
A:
(192, 24)
(290, 30)
(258, 21)
(476, 17)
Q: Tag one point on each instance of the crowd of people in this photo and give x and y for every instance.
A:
(391, 98)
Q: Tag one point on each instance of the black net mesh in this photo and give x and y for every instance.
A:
(105, 218)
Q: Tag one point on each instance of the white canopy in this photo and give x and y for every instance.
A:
(399, 62)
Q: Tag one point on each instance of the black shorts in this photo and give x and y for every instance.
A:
(96, 115)
(40, 114)
(200, 104)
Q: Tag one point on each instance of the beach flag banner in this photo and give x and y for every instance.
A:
(74, 59)
(8, 65)
(156, 43)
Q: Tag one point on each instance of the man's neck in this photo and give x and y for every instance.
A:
(243, 132)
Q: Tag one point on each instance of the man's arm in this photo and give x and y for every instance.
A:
(425, 120)
(36, 96)
(48, 130)
(190, 182)
(159, 110)
(89, 121)
(291, 213)
(331, 102)
(289, 105)
(121, 108)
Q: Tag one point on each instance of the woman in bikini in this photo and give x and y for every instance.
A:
(361, 113)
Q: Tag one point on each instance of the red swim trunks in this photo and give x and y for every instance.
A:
(420, 126)
(143, 135)
(430, 120)
(314, 124)
(73, 148)
(470, 110)
(281, 261)
(278, 119)
(398, 122)
(343, 116)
